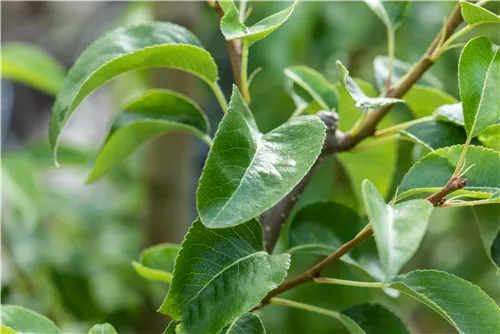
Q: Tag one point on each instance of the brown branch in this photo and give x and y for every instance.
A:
(453, 184)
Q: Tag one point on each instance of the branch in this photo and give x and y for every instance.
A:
(453, 184)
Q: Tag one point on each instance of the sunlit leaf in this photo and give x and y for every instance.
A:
(474, 14)
(392, 13)
(156, 263)
(450, 113)
(423, 101)
(7, 330)
(375, 319)
(25, 321)
(491, 137)
(488, 222)
(103, 329)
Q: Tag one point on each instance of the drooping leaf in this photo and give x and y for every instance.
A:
(375, 319)
(220, 274)
(434, 170)
(25, 321)
(381, 69)
(248, 172)
(398, 229)
(361, 100)
(464, 305)
(491, 137)
(450, 113)
(148, 45)
(32, 66)
(474, 14)
(156, 263)
(436, 134)
(479, 81)
(233, 28)
(150, 115)
(423, 101)
(105, 328)
(248, 323)
(392, 13)
(488, 222)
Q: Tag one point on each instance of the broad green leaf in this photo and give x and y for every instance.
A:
(423, 101)
(434, 170)
(488, 222)
(461, 303)
(474, 14)
(103, 329)
(156, 263)
(233, 28)
(450, 113)
(361, 100)
(398, 229)
(248, 172)
(436, 134)
(375, 319)
(172, 328)
(150, 115)
(248, 323)
(491, 137)
(148, 45)
(479, 81)
(392, 13)
(221, 274)
(25, 321)
(6, 330)
(381, 69)
(32, 66)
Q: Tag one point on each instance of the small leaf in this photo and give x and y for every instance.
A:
(103, 329)
(148, 116)
(491, 137)
(32, 66)
(148, 45)
(436, 134)
(248, 323)
(220, 274)
(474, 14)
(434, 170)
(392, 13)
(450, 113)
(361, 100)
(248, 172)
(479, 81)
(423, 101)
(25, 321)
(375, 319)
(7, 330)
(156, 263)
(488, 222)
(398, 229)
(232, 28)
(462, 304)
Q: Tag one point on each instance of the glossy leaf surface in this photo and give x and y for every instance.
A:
(436, 134)
(474, 14)
(248, 323)
(374, 319)
(156, 263)
(25, 321)
(491, 137)
(450, 113)
(103, 329)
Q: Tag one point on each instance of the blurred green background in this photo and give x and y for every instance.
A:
(67, 247)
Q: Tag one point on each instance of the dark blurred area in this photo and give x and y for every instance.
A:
(67, 247)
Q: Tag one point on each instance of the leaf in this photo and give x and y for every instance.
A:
(103, 329)
(248, 323)
(462, 304)
(491, 137)
(32, 66)
(233, 28)
(6, 330)
(474, 14)
(25, 321)
(436, 134)
(479, 82)
(450, 113)
(221, 274)
(361, 100)
(398, 229)
(171, 328)
(423, 101)
(434, 170)
(381, 69)
(392, 13)
(248, 172)
(156, 263)
(148, 45)
(148, 116)
(488, 221)
(375, 319)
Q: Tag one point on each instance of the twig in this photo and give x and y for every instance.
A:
(453, 185)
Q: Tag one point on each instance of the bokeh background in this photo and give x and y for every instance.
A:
(67, 247)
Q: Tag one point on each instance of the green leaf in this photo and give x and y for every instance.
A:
(450, 113)
(146, 117)
(248, 323)
(491, 137)
(32, 66)
(423, 101)
(221, 274)
(171, 328)
(474, 14)
(103, 329)
(148, 45)
(375, 319)
(488, 222)
(25, 321)
(398, 229)
(392, 13)
(479, 81)
(434, 170)
(156, 263)
(462, 304)
(361, 100)
(381, 69)
(248, 172)
(436, 134)
(233, 28)
(7, 330)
